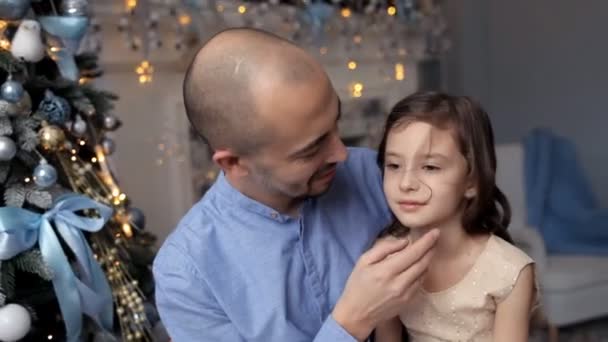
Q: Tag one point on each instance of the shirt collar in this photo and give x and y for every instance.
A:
(235, 197)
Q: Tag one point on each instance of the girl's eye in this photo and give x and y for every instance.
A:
(391, 166)
(430, 168)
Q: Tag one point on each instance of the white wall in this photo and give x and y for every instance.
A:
(537, 63)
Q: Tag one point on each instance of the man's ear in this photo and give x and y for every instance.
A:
(230, 163)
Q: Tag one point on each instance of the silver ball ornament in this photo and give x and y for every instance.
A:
(75, 7)
(8, 149)
(110, 122)
(108, 146)
(11, 91)
(79, 127)
(45, 175)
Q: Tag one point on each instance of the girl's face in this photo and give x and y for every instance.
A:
(425, 176)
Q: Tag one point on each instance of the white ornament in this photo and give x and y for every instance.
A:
(15, 322)
(27, 42)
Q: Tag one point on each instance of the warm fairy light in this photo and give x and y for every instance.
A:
(356, 89)
(81, 142)
(101, 158)
(115, 192)
(5, 44)
(345, 12)
(184, 19)
(73, 151)
(399, 72)
(73, 158)
(83, 80)
(391, 10)
(242, 9)
(126, 229)
(27, 179)
(55, 49)
(3, 24)
(130, 4)
(144, 71)
(352, 65)
(357, 39)
(93, 160)
(122, 197)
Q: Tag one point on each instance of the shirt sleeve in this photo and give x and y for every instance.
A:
(187, 308)
(331, 331)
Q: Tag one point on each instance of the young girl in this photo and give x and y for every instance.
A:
(439, 165)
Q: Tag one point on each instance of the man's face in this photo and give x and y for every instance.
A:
(301, 159)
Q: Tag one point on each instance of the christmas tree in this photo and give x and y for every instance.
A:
(74, 259)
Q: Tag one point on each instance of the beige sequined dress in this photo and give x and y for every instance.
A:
(465, 311)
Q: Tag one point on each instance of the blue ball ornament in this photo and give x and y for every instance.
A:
(13, 9)
(45, 175)
(137, 217)
(11, 91)
(54, 108)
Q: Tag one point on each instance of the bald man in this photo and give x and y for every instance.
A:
(279, 249)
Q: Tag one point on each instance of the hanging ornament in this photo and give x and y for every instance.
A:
(8, 149)
(137, 217)
(13, 9)
(51, 138)
(45, 174)
(110, 122)
(70, 30)
(15, 322)
(108, 146)
(79, 127)
(27, 43)
(75, 7)
(22, 107)
(11, 91)
(54, 108)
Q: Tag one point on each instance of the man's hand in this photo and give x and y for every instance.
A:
(382, 282)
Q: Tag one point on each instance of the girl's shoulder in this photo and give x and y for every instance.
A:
(501, 266)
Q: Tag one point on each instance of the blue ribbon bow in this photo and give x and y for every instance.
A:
(20, 229)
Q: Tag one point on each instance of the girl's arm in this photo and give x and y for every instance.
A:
(389, 331)
(512, 320)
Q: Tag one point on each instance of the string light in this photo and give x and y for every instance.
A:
(145, 71)
(130, 4)
(27, 179)
(391, 10)
(352, 65)
(5, 44)
(242, 9)
(356, 89)
(399, 71)
(345, 12)
(126, 229)
(184, 19)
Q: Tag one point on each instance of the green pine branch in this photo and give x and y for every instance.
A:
(32, 262)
